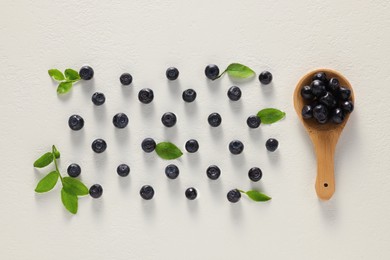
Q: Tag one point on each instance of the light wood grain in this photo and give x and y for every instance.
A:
(323, 136)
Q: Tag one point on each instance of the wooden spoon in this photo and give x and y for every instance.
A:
(323, 136)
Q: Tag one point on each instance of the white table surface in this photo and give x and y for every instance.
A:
(288, 38)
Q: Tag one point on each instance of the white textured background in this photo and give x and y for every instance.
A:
(144, 38)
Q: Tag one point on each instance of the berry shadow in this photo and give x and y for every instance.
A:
(147, 110)
(216, 132)
(193, 206)
(236, 106)
(213, 85)
(87, 86)
(238, 160)
(255, 134)
(65, 97)
(174, 87)
(77, 138)
(216, 186)
(193, 159)
(100, 113)
(174, 187)
(97, 206)
(124, 182)
(273, 157)
(268, 90)
(101, 161)
(149, 158)
(127, 91)
(148, 208)
(191, 108)
(256, 185)
(122, 136)
(170, 132)
(236, 211)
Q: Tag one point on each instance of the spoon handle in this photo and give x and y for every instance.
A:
(325, 145)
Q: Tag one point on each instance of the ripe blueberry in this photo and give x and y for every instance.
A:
(148, 145)
(320, 112)
(328, 100)
(344, 93)
(120, 120)
(271, 144)
(214, 119)
(234, 93)
(172, 171)
(212, 71)
(74, 170)
(320, 76)
(255, 174)
(76, 122)
(306, 92)
(86, 73)
(146, 95)
(96, 191)
(126, 79)
(307, 111)
(192, 146)
(347, 106)
(172, 73)
(98, 98)
(123, 170)
(99, 145)
(189, 95)
(213, 172)
(338, 115)
(234, 196)
(333, 85)
(318, 88)
(191, 193)
(169, 119)
(253, 121)
(265, 77)
(147, 192)
(236, 147)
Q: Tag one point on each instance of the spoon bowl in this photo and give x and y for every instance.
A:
(323, 136)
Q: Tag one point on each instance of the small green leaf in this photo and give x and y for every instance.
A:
(270, 115)
(74, 186)
(44, 160)
(64, 87)
(70, 201)
(257, 196)
(48, 182)
(56, 74)
(56, 152)
(71, 74)
(237, 70)
(168, 151)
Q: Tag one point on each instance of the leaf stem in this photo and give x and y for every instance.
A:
(220, 75)
(54, 149)
(241, 191)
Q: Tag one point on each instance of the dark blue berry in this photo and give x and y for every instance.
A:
(333, 85)
(123, 170)
(126, 79)
(192, 146)
(98, 98)
(234, 196)
(255, 174)
(253, 121)
(189, 95)
(328, 100)
(320, 112)
(212, 71)
(306, 93)
(96, 191)
(74, 170)
(271, 144)
(344, 93)
(213, 172)
(76, 122)
(307, 111)
(347, 106)
(172, 171)
(214, 119)
(169, 119)
(265, 77)
(318, 88)
(86, 73)
(99, 146)
(146, 95)
(320, 76)
(120, 120)
(191, 193)
(148, 145)
(234, 93)
(338, 115)
(147, 192)
(236, 147)
(172, 73)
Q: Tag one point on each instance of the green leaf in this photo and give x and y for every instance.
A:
(64, 87)
(237, 70)
(168, 151)
(44, 160)
(56, 74)
(74, 186)
(70, 201)
(48, 182)
(257, 196)
(270, 115)
(71, 74)
(56, 152)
